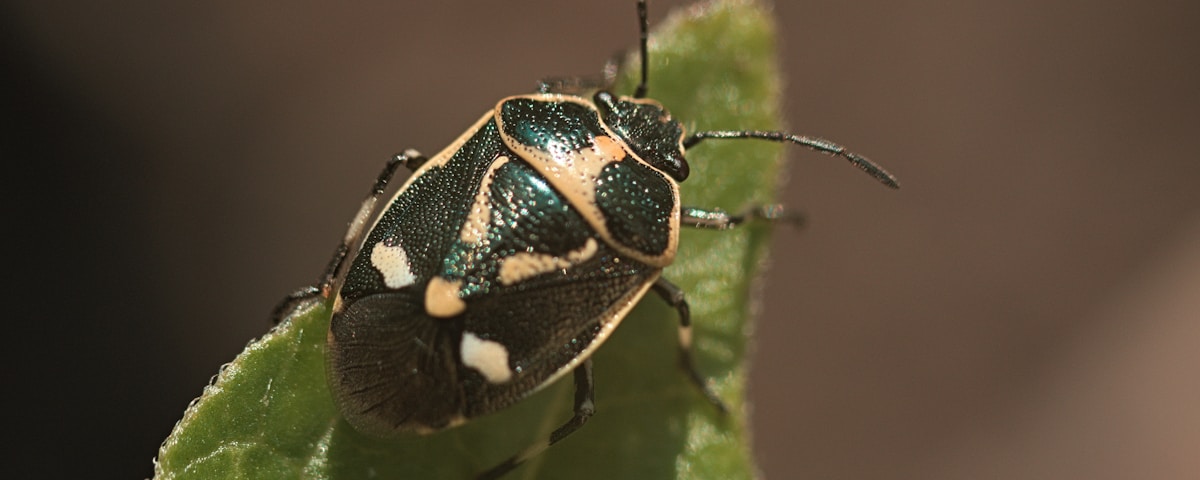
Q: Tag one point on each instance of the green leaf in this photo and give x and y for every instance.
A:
(269, 414)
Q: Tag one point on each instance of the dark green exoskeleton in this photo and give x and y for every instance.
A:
(510, 256)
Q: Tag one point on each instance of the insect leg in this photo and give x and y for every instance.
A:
(673, 295)
(574, 85)
(721, 220)
(612, 68)
(587, 84)
(585, 406)
(410, 159)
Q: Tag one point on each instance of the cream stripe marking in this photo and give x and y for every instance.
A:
(487, 357)
(438, 161)
(393, 263)
(524, 265)
(577, 171)
(480, 215)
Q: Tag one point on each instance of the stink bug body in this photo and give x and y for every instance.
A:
(506, 259)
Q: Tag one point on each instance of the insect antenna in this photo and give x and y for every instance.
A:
(643, 27)
(818, 144)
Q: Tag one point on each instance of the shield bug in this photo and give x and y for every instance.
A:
(509, 257)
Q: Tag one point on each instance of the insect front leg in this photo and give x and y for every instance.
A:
(721, 220)
(585, 407)
(410, 159)
(573, 85)
(608, 76)
(674, 297)
(584, 85)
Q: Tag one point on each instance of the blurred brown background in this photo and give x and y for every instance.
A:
(1025, 307)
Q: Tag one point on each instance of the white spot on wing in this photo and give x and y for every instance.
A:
(487, 357)
(393, 263)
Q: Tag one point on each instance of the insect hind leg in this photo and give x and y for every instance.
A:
(410, 159)
(674, 297)
(585, 407)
